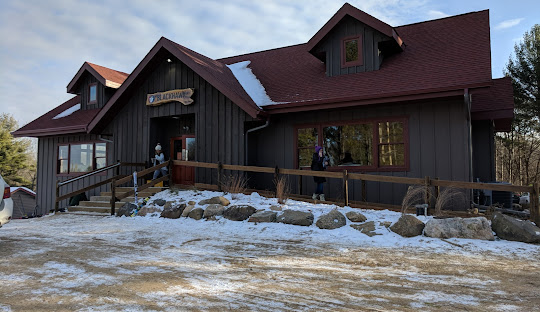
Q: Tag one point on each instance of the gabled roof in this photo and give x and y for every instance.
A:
(443, 57)
(77, 122)
(108, 77)
(215, 72)
(359, 15)
(13, 190)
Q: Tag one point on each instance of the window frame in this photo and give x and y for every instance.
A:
(90, 102)
(360, 61)
(69, 173)
(375, 167)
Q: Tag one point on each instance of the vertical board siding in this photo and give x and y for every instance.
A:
(331, 46)
(46, 172)
(23, 204)
(429, 154)
(218, 127)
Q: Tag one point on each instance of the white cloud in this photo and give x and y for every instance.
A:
(434, 14)
(508, 23)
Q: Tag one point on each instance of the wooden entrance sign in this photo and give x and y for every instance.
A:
(180, 95)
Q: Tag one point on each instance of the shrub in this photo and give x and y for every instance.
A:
(282, 189)
(234, 185)
(448, 195)
(415, 195)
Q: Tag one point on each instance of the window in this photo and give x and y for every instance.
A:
(92, 93)
(361, 145)
(351, 52)
(307, 139)
(79, 158)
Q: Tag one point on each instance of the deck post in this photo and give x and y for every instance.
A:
(219, 175)
(535, 204)
(345, 188)
(300, 184)
(56, 198)
(113, 197)
(364, 191)
(427, 184)
(276, 177)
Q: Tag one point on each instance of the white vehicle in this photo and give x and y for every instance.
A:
(524, 199)
(6, 205)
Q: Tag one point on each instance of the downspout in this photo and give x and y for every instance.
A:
(266, 124)
(467, 98)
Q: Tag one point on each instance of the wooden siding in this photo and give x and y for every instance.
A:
(437, 146)
(46, 171)
(23, 204)
(103, 93)
(483, 150)
(219, 123)
(332, 43)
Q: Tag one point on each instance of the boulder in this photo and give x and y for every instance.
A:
(213, 210)
(386, 224)
(513, 229)
(173, 212)
(408, 226)
(196, 213)
(239, 212)
(332, 220)
(127, 210)
(215, 200)
(275, 208)
(474, 228)
(187, 210)
(169, 204)
(148, 210)
(263, 216)
(367, 228)
(192, 203)
(159, 202)
(295, 217)
(355, 216)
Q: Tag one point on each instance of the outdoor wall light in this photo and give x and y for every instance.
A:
(169, 61)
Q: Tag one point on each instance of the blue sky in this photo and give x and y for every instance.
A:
(44, 43)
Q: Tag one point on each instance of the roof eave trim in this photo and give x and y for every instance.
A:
(50, 131)
(84, 67)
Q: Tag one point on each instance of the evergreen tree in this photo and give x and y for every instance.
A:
(14, 156)
(524, 69)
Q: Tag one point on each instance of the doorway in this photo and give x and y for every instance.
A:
(183, 148)
(179, 132)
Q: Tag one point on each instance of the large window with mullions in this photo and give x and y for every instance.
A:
(75, 158)
(363, 145)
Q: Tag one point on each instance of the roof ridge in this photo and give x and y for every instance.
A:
(442, 18)
(261, 51)
(118, 71)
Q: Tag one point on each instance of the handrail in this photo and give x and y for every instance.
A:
(91, 173)
(142, 173)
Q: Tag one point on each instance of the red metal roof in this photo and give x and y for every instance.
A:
(45, 125)
(106, 76)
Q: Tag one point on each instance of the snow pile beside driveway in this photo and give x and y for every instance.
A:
(345, 235)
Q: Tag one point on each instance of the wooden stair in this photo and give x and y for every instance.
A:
(101, 205)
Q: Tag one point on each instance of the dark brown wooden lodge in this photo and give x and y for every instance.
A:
(411, 101)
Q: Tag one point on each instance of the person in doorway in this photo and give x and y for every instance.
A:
(319, 163)
(159, 158)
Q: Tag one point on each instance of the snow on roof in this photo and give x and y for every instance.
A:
(250, 83)
(68, 111)
(14, 189)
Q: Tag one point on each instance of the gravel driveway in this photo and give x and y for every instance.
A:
(85, 263)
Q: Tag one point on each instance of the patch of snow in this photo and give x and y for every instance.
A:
(68, 111)
(13, 189)
(250, 83)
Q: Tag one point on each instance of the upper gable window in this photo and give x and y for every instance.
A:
(92, 93)
(351, 51)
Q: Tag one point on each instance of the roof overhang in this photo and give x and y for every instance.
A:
(87, 67)
(195, 64)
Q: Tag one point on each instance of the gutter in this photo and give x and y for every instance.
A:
(266, 124)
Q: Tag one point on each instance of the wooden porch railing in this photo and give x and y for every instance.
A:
(346, 176)
(116, 166)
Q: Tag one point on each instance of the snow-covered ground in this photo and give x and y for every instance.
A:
(85, 263)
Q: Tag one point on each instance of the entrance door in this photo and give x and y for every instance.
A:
(183, 148)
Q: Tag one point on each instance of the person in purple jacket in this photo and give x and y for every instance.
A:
(319, 163)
